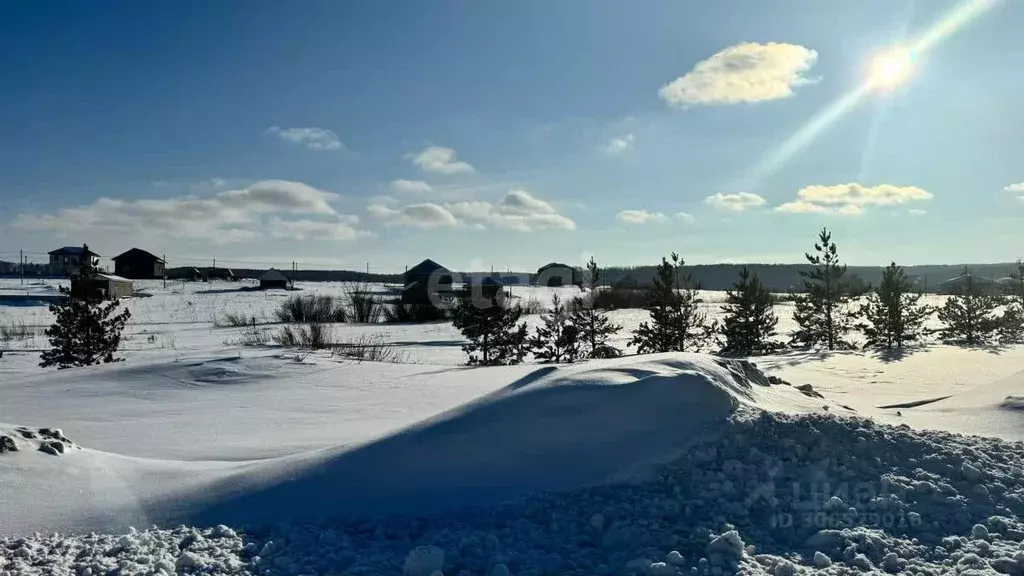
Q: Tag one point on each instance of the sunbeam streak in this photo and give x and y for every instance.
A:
(887, 70)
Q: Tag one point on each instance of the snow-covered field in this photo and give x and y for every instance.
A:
(255, 460)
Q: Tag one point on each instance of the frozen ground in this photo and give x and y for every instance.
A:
(668, 464)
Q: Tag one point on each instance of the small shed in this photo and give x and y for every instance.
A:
(273, 279)
(555, 275)
(105, 286)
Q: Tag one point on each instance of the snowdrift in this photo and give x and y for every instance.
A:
(552, 429)
(995, 409)
(515, 430)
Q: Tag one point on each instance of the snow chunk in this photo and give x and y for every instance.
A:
(423, 561)
(729, 544)
(821, 560)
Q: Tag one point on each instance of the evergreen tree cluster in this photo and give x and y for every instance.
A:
(570, 331)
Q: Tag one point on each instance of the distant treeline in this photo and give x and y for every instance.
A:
(786, 277)
(776, 277)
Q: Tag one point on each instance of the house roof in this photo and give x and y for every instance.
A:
(272, 275)
(553, 265)
(137, 251)
(77, 250)
(428, 266)
(113, 277)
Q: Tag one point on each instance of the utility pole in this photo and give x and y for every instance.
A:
(21, 263)
(164, 257)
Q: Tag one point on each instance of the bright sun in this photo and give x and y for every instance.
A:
(890, 68)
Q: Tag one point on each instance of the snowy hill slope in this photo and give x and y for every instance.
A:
(554, 428)
(528, 428)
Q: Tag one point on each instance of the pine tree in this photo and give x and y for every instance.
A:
(677, 324)
(822, 312)
(595, 329)
(557, 340)
(969, 314)
(893, 315)
(495, 335)
(749, 323)
(1011, 328)
(85, 331)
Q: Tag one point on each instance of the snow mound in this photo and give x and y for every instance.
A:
(554, 429)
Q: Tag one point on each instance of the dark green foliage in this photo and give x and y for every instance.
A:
(893, 315)
(969, 316)
(86, 331)
(1011, 328)
(557, 339)
(676, 324)
(495, 335)
(595, 329)
(822, 312)
(749, 323)
(1014, 289)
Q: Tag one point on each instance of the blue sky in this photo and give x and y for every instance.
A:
(509, 134)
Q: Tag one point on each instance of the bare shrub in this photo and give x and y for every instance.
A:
(234, 320)
(530, 307)
(315, 308)
(370, 348)
(365, 306)
(254, 336)
(314, 336)
(397, 312)
(617, 298)
(15, 331)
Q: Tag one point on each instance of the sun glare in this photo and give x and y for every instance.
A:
(891, 68)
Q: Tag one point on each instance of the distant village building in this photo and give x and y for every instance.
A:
(67, 260)
(958, 284)
(220, 274)
(106, 286)
(138, 265)
(273, 279)
(426, 282)
(555, 275)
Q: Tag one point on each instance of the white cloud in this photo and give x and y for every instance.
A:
(619, 145)
(858, 195)
(440, 160)
(640, 217)
(800, 207)
(343, 229)
(747, 72)
(686, 217)
(917, 212)
(1017, 188)
(851, 199)
(517, 210)
(271, 195)
(410, 186)
(230, 215)
(734, 202)
(424, 215)
(311, 137)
